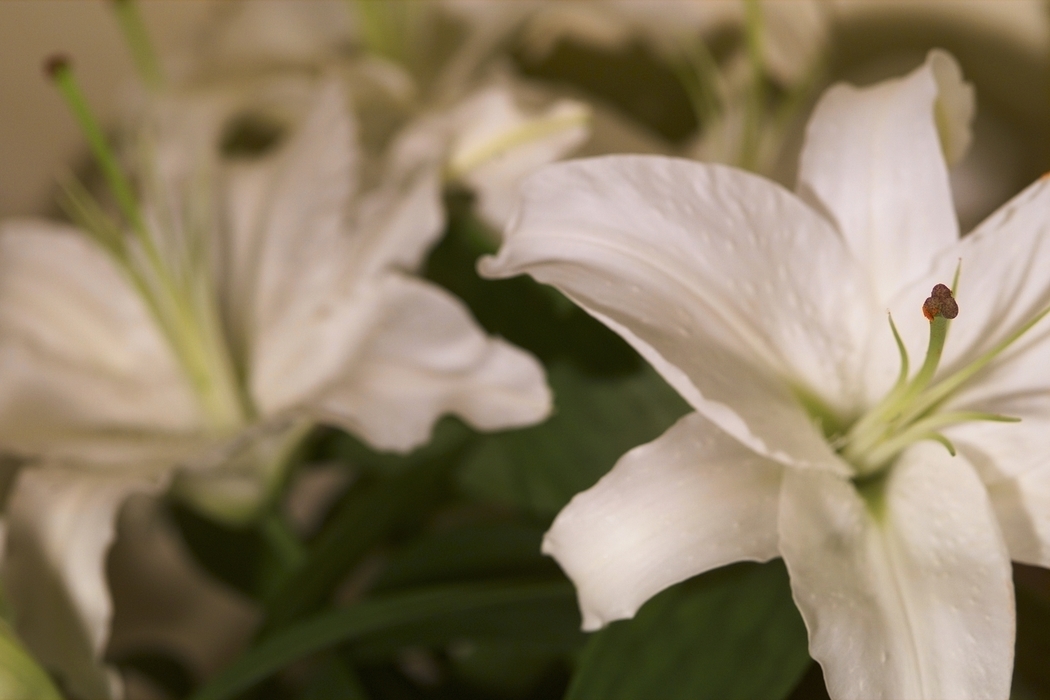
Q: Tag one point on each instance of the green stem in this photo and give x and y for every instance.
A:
(134, 29)
(282, 541)
(757, 95)
(122, 191)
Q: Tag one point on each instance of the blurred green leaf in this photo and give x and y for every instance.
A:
(631, 78)
(365, 516)
(487, 603)
(474, 552)
(595, 421)
(235, 556)
(732, 633)
(506, 669)
(21, 677)
(334, 680)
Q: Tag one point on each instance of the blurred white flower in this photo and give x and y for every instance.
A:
(811, 440)
(488, 143)
(258, 299)
(459, 111)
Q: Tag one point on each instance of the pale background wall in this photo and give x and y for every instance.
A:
(37, 135)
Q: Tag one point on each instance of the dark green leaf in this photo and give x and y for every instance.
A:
(733, 633)
(595, 421)
(504, 668)
(334, 679)
(235, 556)
(631, 78)
(479, 551)
(458, 603)
(365, 517)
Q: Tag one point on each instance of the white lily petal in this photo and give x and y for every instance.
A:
(334, 318)
(999, 288)
(955, 107)
(1022, 505)
(873, 161)
(710, 269)
(79, 350)
(691, 500)
(397, 223)
(61, 524)
(910, 600)
(296, 260)
(424, 357)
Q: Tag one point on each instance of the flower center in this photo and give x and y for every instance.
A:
(174, 281)
(913, 408)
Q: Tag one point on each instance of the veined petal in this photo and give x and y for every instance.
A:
(711, 269)
(691, 500)
(873, 161)
(299, 258)
(424, 357)
(61, 522)
(909, 596)
(80, 352)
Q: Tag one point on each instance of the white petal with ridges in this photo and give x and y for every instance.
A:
(301, 315)
(712, 269)
(425, 356)
(873, 161)
(691, 500)
(913, 599)
(79, 350)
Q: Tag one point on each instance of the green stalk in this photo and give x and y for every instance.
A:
(134, 29)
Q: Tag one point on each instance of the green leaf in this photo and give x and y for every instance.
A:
(21, 678)
(364, 518)
(631, 78)
(505, 669)
(473, 552)
(595, 421)
(730, 634)
(334, 679)
(459, 603)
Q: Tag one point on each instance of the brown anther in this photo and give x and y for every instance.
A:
(55, 64)
(940, 303)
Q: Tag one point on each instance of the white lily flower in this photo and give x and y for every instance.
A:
(256, 305)
(766, 310)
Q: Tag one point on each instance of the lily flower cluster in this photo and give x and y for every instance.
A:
(249, 280)
(810, 437)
